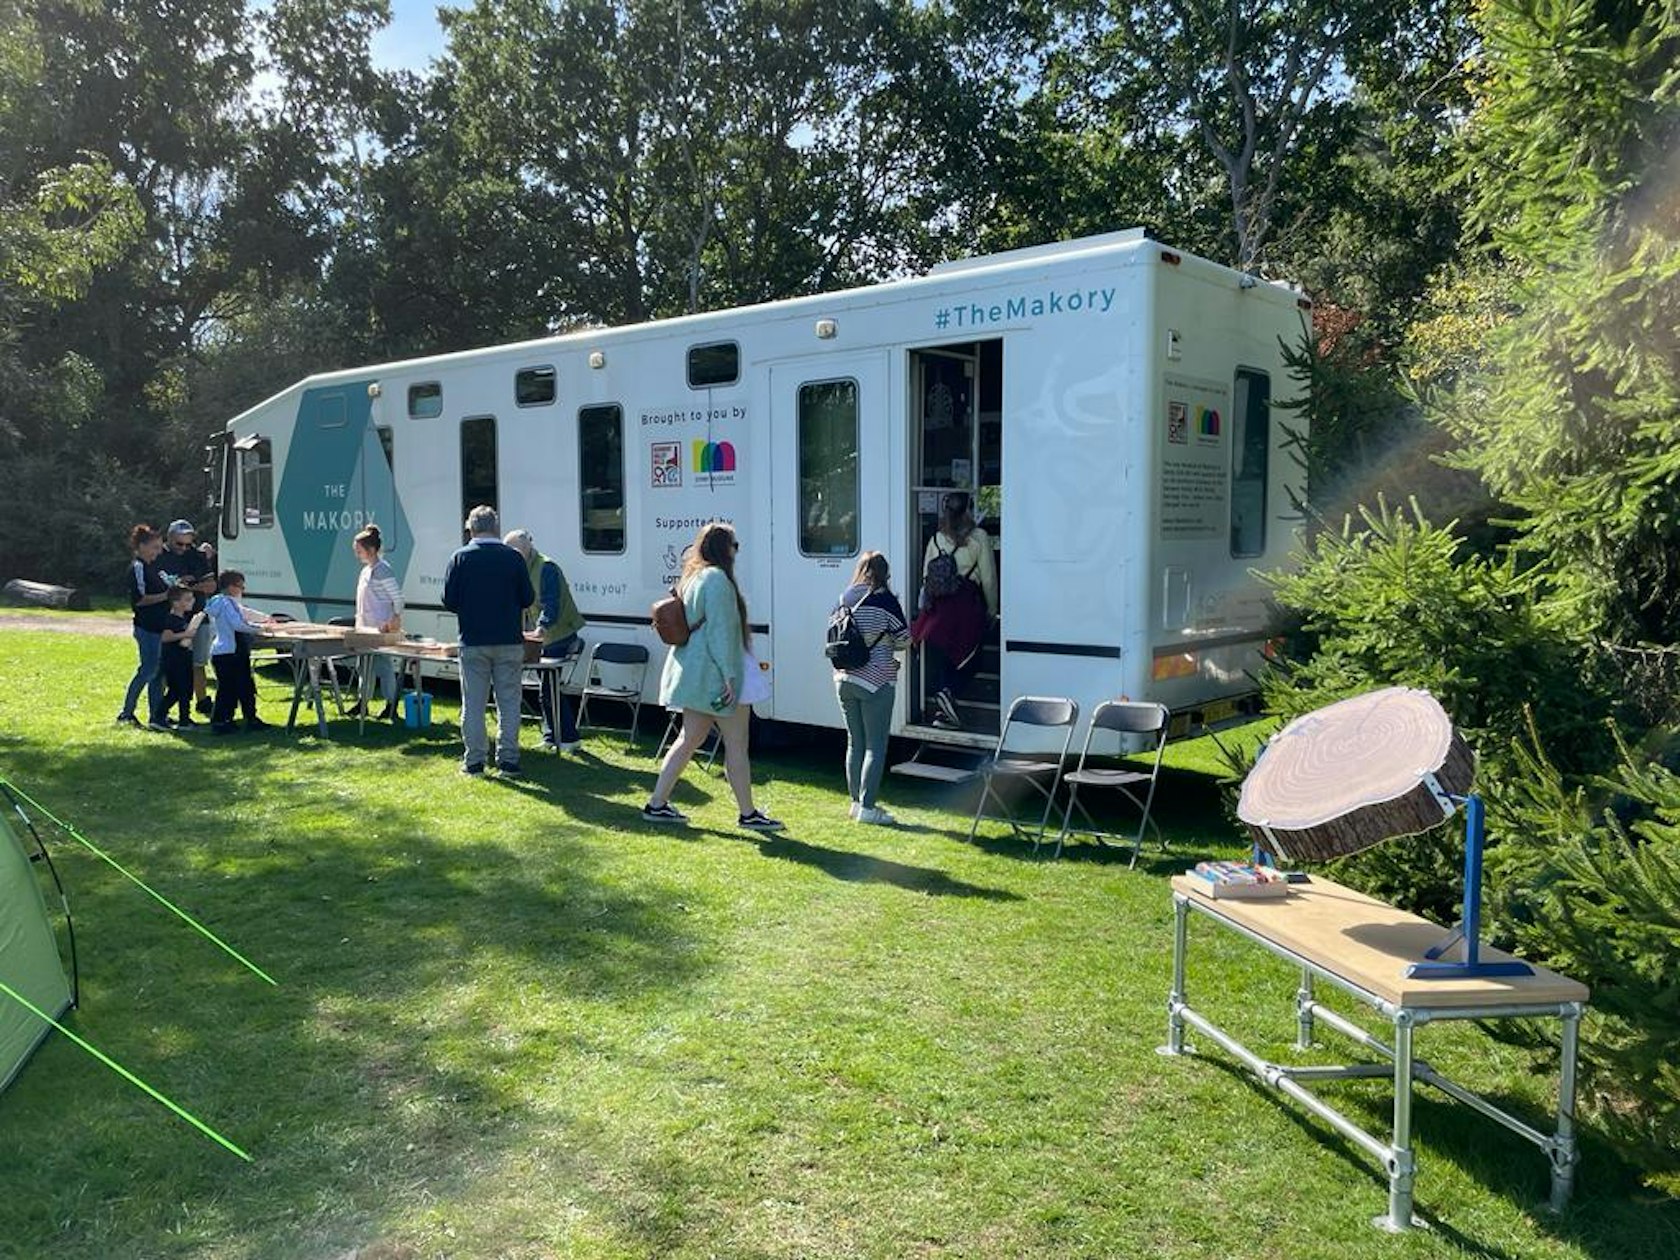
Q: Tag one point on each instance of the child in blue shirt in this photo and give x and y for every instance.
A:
(230, 654)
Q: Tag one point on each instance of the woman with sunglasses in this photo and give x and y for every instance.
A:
(703, 677)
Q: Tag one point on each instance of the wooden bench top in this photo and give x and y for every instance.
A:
(1370, 943)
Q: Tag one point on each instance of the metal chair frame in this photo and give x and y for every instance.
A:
(633, 656)
(1035, 711)
(1123, 717)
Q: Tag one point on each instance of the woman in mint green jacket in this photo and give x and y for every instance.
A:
(703, 677)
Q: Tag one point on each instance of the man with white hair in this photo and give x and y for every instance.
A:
(487, 588)
(554, 618)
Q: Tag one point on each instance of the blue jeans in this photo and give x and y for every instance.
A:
(552, 698)
(868, 717)
(148, 675)
(487, 668)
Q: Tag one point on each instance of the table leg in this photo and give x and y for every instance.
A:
(1175, 1000)
(299, 668)
(1401, 1169)
(1304, 1011)
(364, 690)
(314, 666)
(1562, 1149)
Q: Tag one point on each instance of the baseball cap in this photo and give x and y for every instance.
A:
(180, 527)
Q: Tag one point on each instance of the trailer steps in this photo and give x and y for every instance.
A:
(921, 767)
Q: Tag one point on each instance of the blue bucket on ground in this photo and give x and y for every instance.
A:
(416, 709)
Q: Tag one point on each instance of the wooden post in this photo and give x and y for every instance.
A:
(45, 595)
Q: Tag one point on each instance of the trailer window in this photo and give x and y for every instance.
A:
(715, 364)
(330, 412)
(828, 468)
(386, 444)
(478, 463)
(256, 482)
(601, 477)
(533, 387)
(1251, 434)
(425, 401)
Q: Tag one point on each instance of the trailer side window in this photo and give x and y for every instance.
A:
(425, 401)
(256, 482)
(1251, 438)
(601, 477)
(330, 412)
(386, 444)
(533, 387)
(828, 468)
(716, 364)
(478, 463)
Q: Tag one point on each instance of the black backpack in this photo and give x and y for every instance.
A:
(845, 646)
(942, 577)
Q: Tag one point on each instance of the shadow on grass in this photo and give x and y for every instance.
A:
(1498, 1160)
(396, 1039)
(864, 868)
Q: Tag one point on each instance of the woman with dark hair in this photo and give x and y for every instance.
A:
(379, 606)
(148, 595)
(703, 677)
(866, 691)
(959, 600)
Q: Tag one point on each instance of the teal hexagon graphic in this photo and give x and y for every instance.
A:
(337, 478)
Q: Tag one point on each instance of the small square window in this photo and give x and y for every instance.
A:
(425, 402)
(533, 387)
(715, 364)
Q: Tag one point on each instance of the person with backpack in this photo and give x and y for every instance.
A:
(959, 601)
(866, 630)
(703, 675)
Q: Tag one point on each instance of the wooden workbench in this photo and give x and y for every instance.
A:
(1364, 947)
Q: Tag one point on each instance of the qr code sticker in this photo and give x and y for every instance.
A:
(1178, 423)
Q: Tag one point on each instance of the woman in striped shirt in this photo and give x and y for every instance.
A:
(866, 693)
(379, 605)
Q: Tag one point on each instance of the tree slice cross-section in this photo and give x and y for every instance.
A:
(1355, 773)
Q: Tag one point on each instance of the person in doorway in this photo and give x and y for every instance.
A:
(379, 606)
(959, 601)
(230, 654)
(148, 595)
(554, 620)
(183, 564)
(866, 692)
(179, 631)
(487, 587)
(703, 677)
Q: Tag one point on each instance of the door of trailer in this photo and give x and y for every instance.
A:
(830, 502)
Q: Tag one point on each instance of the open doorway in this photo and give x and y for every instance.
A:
(956, 429)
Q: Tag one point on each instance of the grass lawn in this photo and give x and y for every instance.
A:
(514, 1021)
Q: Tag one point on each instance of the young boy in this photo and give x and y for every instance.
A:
(178, 633)
(231, 654)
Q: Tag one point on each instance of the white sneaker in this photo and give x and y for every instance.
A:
(875, 816)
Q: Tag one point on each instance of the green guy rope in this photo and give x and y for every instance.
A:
(157, 896)
(123, 1072)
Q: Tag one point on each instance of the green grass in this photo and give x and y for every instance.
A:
(513, 1021)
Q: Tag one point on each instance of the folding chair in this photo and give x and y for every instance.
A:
(1123, 718)
(673, 728)
(1002, 766)
(614, 671)
(552, 675)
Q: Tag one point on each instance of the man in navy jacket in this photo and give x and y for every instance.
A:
(487, 587)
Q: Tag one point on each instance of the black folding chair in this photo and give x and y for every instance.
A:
(1125, 719)
(1005, 766)
(614, 671)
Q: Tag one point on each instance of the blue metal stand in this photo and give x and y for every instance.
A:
(1469, 929)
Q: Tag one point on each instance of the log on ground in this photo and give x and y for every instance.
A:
(44, 595)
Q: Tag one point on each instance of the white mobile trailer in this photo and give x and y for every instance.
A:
(1110, 401)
